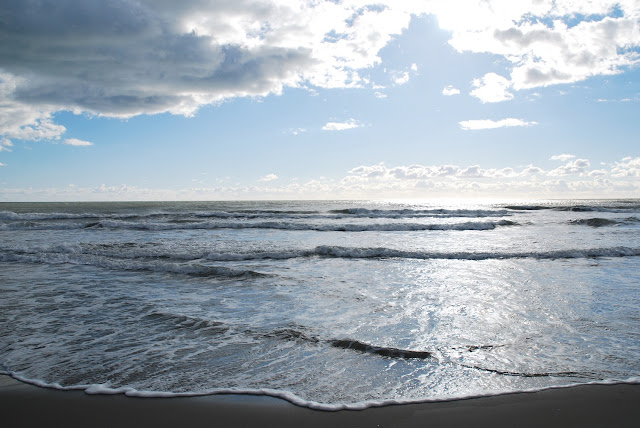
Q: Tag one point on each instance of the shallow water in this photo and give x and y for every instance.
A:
(326, 302)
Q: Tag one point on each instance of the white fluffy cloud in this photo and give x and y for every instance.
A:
(492, 88)
(5, 144)
(627, 167)
(574, 167)
(450, 90)
(76, 142)
(477, 124)
(420, 172)
(341, 126)
(564, 157)
(268, 177)
(548, 42)
(575, 178)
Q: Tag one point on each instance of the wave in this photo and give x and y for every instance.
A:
(187, 269)
(13, 216)
(103, 389)
(598, 207)
(366, 253)
(275, 225)
(130, 256)
(579, 208)
(257, 214)
(601, 222)
(404, 213)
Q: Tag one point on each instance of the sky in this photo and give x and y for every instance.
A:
(291, 99)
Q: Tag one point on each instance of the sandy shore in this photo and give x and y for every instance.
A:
(583, 406)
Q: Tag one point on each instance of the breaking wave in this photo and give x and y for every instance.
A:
(150, 258)
(404, 213)
(188, 269)
(277, 225)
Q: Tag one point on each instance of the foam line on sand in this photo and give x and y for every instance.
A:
(23, 405)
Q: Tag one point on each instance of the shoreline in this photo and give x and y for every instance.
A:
(25, 405)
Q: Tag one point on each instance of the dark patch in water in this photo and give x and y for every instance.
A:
(542, 374)
(482, 347)
(293, 335)
(179, 322)
(594, 222)
(379, 350)
(577, 209)
(95, 224)
(222, 272)
(526, 207)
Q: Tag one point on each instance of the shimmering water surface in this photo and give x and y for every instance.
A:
(330, 303)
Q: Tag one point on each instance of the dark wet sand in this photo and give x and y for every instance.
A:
(23, 405)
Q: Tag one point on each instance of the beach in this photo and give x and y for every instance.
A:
(24, 405)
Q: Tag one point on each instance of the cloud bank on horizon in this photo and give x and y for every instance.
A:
(381, 181)
(125, 58)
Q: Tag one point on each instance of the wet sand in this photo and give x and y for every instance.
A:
(23, 405)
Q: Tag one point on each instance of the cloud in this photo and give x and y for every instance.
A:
(447, 180)
(419, 172)
(400, 78)
(341, 126)
(268, 177)
(295, 131)
(381, 181)
(574, 167)
(492, 88)
(548, 42)
(563, 157)
(627, 167)
(3, 164)
(76, 142)
(597, 173)
(5, 144)
(126, 58)
(20, 120)
(492, 124)
(450, 90)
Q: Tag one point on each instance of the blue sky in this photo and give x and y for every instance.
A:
(137, 100)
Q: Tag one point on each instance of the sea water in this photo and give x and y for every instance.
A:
(330, 304)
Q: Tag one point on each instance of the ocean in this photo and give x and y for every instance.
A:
(328, 304)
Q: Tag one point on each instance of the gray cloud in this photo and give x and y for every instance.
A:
(122, 58)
